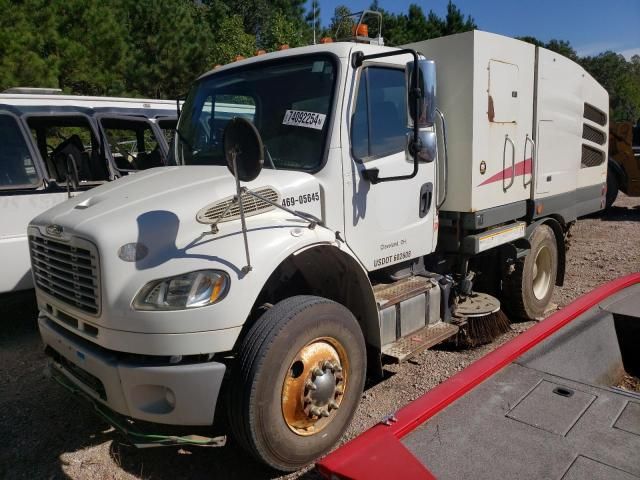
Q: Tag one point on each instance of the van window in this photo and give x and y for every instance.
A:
(133, 143)
(69, 147)
(16, 164)
(379, 123)
(168, 127)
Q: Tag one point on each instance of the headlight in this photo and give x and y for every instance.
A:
(195, 289)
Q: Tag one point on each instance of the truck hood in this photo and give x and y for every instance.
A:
(170, 196)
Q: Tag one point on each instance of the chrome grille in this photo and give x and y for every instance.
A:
(66, 271)
(252, 206)
(591, 157)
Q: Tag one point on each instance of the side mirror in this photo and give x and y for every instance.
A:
(426, 147)
(422, 108)
(243, 149)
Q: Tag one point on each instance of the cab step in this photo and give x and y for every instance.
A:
(412, 344)
(390, 294)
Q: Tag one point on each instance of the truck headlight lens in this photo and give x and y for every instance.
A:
(194, 289)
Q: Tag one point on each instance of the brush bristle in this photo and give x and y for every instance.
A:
(482, 330)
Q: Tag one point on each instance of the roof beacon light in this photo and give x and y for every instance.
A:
(358, 31)
(361, 30)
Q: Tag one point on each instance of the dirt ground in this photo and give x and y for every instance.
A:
(47, 434)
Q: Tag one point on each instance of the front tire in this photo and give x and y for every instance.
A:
(298, 381)
(528, 289)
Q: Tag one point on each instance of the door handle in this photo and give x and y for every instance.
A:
(507, 186)
(528, 139)
(426, 196)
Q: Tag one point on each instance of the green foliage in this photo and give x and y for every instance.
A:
(399, 29)
(341, 23)
(82, 29)
(231, 41)
(27, 54)
(169, 43)
(156, 48)
(280, 31)
(621, 79)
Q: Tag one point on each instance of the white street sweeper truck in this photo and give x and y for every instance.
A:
(357, 210)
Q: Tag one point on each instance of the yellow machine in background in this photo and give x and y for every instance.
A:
(624, 160)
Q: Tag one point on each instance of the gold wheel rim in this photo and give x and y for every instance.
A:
(314, 386)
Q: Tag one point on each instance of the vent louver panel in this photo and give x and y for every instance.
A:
(68, 272)
(595, 114)
(591, 157)
(593, 134)
(252, 206)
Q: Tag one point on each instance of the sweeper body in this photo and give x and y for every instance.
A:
(339, 220)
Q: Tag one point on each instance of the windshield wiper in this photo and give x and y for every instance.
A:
(266, 150)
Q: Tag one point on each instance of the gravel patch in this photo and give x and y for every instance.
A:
(45, 433)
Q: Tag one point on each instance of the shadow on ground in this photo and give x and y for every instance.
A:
(621, 214)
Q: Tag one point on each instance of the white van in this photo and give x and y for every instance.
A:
(52, 146)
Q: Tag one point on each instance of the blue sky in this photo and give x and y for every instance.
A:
(591, 26)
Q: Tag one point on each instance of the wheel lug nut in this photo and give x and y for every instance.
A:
(337, 368)
(327, 364)
(310, 385)
(317, 372)
(324, 413)
(315, 411)
(333, 405)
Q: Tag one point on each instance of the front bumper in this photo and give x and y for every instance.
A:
(181, 394)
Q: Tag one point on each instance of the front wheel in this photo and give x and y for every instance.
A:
(528, 289)
(299, 377)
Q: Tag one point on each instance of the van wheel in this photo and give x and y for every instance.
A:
(299, 378)
(528, 290)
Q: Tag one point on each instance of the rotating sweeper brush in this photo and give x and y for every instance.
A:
(481, 319)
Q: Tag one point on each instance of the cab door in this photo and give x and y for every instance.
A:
(390, 222)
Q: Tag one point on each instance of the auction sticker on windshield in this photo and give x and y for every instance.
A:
(299, 118)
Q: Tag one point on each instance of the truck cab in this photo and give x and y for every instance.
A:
(297, 244)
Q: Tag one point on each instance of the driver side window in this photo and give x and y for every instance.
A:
(379, 122)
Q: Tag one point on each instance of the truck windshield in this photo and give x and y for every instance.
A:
(16, 164)
(289, 101)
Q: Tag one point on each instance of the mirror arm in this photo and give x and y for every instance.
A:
(372, 174)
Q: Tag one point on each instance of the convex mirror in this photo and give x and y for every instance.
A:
(242, 140)
(426, 147)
